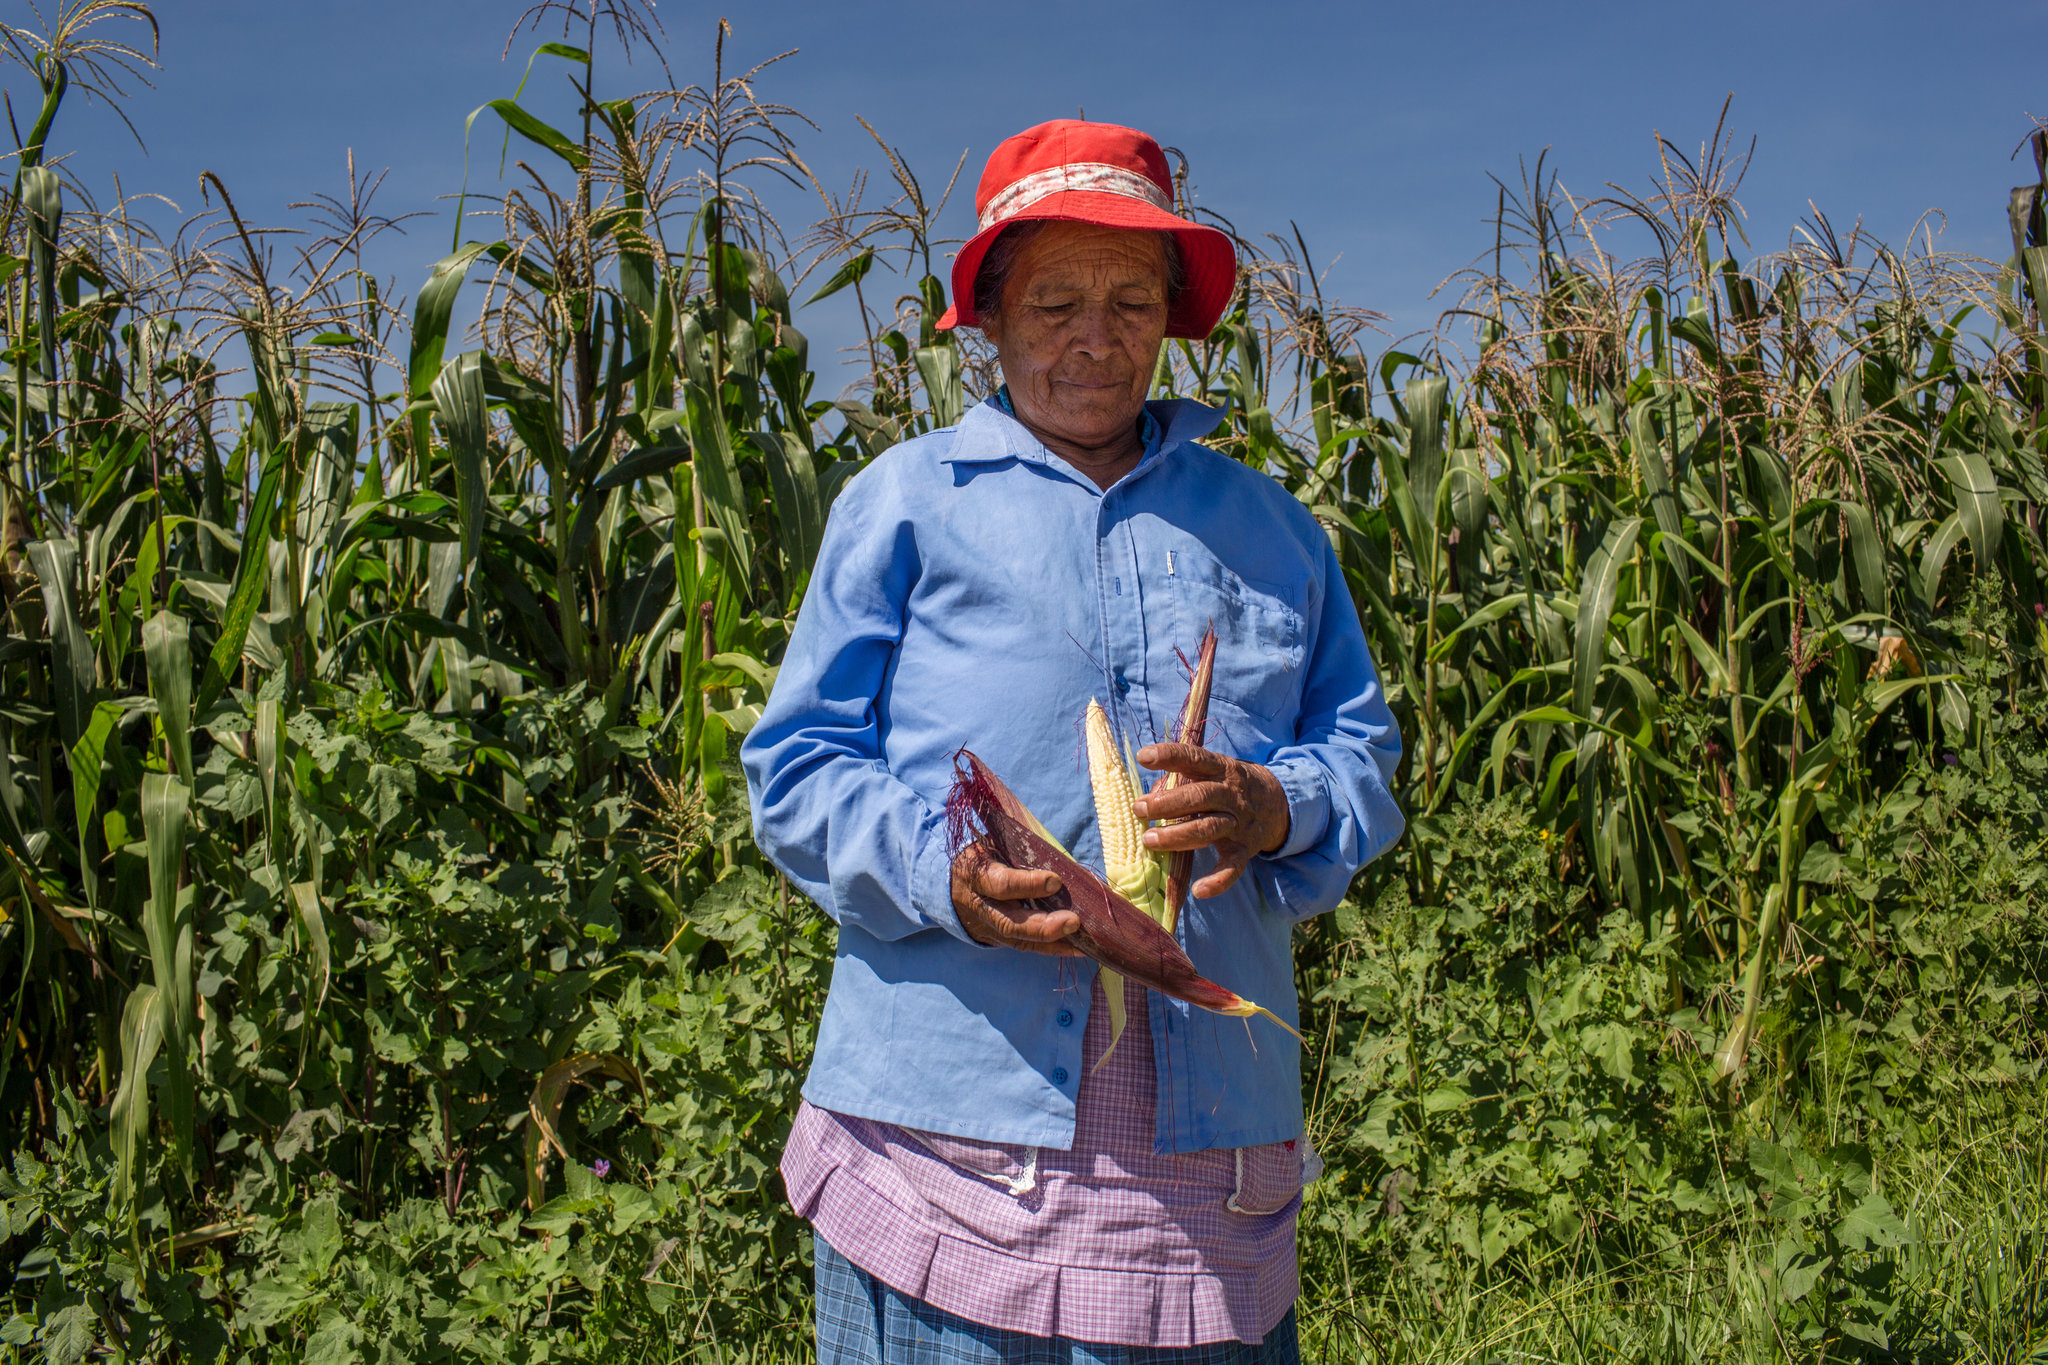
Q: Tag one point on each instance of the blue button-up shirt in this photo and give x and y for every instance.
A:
(975, 589)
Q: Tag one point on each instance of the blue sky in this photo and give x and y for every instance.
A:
(1374, 127)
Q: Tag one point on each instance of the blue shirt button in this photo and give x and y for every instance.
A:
(1059, 1075)
(1066, 1018)
(1123, 684)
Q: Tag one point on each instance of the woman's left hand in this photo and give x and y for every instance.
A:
(1238, 807)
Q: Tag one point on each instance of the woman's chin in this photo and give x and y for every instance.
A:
(1094, 424)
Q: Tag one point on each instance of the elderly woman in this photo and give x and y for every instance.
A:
(983, 1184)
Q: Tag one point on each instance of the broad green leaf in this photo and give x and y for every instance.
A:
(252, 580)
(73, 661)
(640, 464)
(1878, 696)
(1470, 496)
(141, 1036)
(1796, 1282)
(70, 1335)
(87, 757)
(762, 674)
(717, 472)
(939, 366)
(855, 269)
(165, 802)
(1613, 1044)
(1597, 589)
(1977, 505)
(1934, 558)
(1558, 715)
(431, 314)
(1424, 458)
(167, 648)
(1873, 1223)
(1866, 553)
(269, 746)
(1493, 611)
(535, 131)
(793, 478)
(41, 193)
(1446, 1098)
(459, 396)
(313, 923)
(1705, 655)
(1649, 456)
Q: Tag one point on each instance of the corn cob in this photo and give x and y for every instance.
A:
(1115, 933)
(1133, 871)
(1137, 874)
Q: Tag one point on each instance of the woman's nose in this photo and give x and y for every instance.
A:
(1094, 332)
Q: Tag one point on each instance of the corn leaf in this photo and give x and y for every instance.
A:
(252, 580)
(431, 315)
(165, 804)
(1424, 463)
(1934, 558)
(1977, 505)
(87, 757)
(717, 472)
(313, 923)
(1596, 606)
(141, 1035)
(167, 649)
(535, 131)
(459, 397)
(1866, 554)
(793, 478)
(269, 744)
(855, 269)
(56, 566)
(544, 1111)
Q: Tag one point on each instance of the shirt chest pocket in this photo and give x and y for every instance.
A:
(1259, 634)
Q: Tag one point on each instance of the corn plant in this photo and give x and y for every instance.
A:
(1680, 551)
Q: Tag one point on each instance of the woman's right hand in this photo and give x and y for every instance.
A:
(990, 899)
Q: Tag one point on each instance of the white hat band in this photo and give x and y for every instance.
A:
(1096, 177)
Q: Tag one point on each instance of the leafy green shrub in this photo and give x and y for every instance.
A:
(1513, 1081)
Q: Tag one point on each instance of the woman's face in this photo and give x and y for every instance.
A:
(1082, 317)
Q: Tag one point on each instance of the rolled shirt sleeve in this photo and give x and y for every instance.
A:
(853, 837)
(1338, 772)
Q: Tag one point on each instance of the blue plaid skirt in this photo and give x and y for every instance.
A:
(862, 1321)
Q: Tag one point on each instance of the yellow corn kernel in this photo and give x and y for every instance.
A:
(1123, 845)
(1129, 868)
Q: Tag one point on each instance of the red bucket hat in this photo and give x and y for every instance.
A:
(1094, 173)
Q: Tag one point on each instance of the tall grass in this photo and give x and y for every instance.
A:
(1972, 1281)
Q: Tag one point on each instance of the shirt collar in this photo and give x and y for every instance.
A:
(990, 432)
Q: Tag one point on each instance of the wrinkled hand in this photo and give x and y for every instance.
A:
(991, 900)
(1238, 808)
